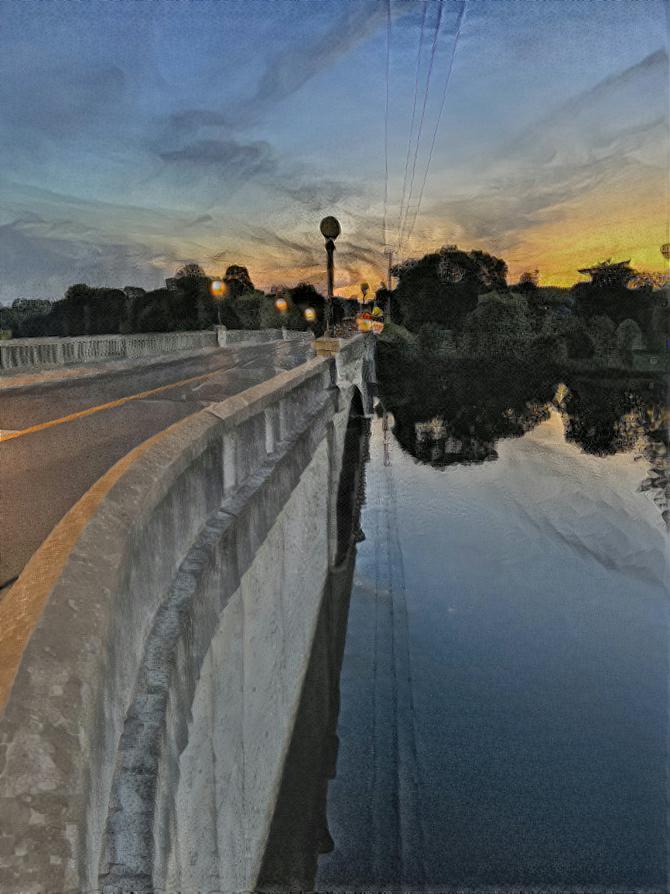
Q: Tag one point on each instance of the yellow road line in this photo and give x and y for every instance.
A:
(10, 435)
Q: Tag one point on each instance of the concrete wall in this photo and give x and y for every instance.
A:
(27, 353)
(23, 353)
(153, 649)
(240, 336)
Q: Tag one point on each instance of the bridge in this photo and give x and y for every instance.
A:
(154, 647)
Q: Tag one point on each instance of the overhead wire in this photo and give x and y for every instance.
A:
(459, 26)
(386, 117)
(411, 126)
(421, 120)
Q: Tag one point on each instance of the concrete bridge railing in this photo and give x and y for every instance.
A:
(153, 650)
(27, 353)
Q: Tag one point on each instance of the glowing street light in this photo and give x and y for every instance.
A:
(218, 289)
(310, 314)
(281, 305)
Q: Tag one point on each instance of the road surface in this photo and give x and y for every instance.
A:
(64, 435)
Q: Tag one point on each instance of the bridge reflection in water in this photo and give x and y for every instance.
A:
(504, 714)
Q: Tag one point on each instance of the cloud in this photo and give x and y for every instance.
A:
(36, 262)
(580, 148)
(189, 120)
(49, 240)
(315, 193)
(626, 101)
(61, 100)
(228, 156)
(200, 221)
(284, 252)
(294, 66)
(213, 170)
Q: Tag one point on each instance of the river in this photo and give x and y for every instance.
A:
(503, 697)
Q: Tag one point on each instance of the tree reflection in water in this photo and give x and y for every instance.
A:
(448, 413)
(442, 414)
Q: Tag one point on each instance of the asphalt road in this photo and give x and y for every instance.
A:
(46, 468)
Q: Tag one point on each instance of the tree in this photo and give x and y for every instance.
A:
(601, 330)
(443, 287)
(609, 294)
(628, 339)
(579, 343)
(305, 295)
(107, 311)
(528, 282)
(596, 415)
(383, 297)
(498, 327)
(190, 270)
(248, 309)
(238, 281)
(76, 309)
(649, 281)
(298, 299)
(194, 306)
(609, 274)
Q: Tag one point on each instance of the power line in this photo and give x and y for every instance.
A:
(459, 25)
(386, 116)
(411, 126)
(421, 120)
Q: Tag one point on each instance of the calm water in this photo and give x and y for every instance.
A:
(503, 717)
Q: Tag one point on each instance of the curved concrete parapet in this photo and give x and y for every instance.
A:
(153, 650)
(27, 353)
(34, 353)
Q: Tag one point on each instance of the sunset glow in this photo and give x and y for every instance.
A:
(549, 125)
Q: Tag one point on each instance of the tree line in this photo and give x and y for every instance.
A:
(451, 301)
(187, 302)
(459, 302)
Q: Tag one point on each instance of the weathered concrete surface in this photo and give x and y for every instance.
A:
(28, 353)
(227, 336)
(162, 634)
(23, 353)
(299, 830)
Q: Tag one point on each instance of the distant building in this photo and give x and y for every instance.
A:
(133, 291)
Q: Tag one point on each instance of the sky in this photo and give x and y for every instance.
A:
(137, 135)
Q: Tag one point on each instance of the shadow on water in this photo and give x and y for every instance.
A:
(299, 830)
(538, 694)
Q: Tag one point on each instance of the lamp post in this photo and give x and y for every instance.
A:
(330, 230)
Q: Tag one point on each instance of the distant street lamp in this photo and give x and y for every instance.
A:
(217, 290)
(330, 230)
